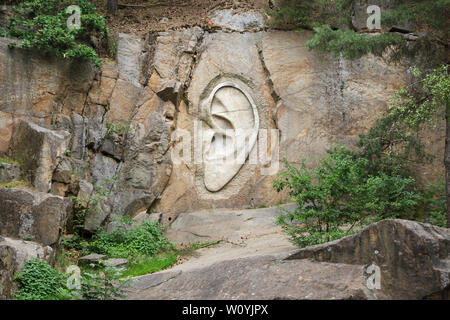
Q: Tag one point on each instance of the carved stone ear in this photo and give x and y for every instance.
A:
(234, 124)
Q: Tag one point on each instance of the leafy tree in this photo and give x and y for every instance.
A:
(343, 192)
(42, 24)
(423, 104)
(413, 106)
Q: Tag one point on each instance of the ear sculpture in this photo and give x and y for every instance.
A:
(233, 123)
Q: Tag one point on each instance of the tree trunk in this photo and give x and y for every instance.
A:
(112, 6)
(447, 161)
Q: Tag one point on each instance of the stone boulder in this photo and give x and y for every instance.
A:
(413, 257)
(254, 278)
(9, 172)
(40, 217)
(13, 255)
(40, 150)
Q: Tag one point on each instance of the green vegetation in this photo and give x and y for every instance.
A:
(146, 239)
(39, 281)
(7, 160)
(326, 16)
(42, 24)
(146, 265)
(107, 284)
(351, 188)
(116, 128)
(350, 44)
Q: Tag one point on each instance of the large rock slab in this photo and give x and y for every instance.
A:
(226, 225)
(129, 57)
(40, 217)
(254, 278)
(39, 149)
(13, 255)
(413, 257)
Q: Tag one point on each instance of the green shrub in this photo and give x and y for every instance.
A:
(339, 194)
(433, 205)
(350, 44)
(39, 281)
(146, 239)
(103, 285)
(42, 24)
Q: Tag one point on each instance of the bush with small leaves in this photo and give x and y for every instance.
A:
(42, 24)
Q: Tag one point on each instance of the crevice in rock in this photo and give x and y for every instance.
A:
(275, 96)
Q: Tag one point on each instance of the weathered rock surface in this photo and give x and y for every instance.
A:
(122, 118)
(13, 255)
(238, 21)
(116, 263)
(258, 277)
(129, 57)
(93, 258)
(39, 149)
(40, 217)
(35, 86)
(227, 225)
(414, 258)
(9, 172)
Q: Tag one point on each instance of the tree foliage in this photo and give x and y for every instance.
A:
(42, 24)
(351, 188)
(331, 21)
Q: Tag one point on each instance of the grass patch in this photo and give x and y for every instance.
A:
(7, 160)
(195, 246)
(150, 264)
(146, 265)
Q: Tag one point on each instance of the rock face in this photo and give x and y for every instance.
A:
(9, 172)
(145, 131)
(238, 21)
(414, 258)
(39, 149)
(13, 255)
(40, 217)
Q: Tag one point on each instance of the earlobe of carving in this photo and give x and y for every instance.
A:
(234, 120)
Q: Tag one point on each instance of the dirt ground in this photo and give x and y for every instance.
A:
(140, 16)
